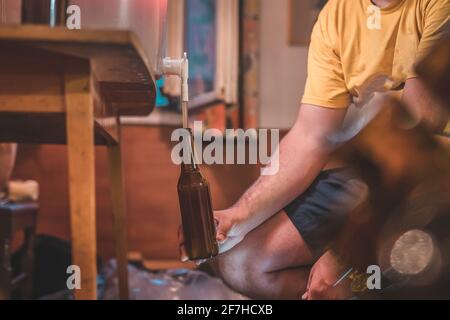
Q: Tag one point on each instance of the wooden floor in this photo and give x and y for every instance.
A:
(150, 179)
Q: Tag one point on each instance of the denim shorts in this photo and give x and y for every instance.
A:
(322, 210)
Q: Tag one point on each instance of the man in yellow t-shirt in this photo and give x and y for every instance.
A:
(357, 47)
(354, 44)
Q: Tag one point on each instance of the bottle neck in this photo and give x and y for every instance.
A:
(190, 149)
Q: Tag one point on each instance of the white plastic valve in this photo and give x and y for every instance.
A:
(180, 68)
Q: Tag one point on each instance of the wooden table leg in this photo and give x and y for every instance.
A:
(80, 142)
(120, 223)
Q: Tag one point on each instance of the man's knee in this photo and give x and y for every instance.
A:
(242, 270)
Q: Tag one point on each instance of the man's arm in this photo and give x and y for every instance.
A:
(303, 153)
(436, 24)
(306, 149)
(424, 106)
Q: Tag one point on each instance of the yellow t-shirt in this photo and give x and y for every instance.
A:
(355, 44)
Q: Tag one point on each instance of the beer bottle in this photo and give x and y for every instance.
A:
(196, 209)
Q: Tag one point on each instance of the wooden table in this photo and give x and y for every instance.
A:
(60, 86)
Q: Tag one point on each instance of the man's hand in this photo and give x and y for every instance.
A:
(225, 221)
(324, 275)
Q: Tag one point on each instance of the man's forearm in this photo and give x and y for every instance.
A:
(424, 106)
(300, 162)
(303, 153)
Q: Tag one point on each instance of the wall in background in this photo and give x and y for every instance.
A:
(283, 67)
(150, 182)
(10, 11)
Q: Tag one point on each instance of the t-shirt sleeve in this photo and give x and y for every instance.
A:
(325, 84)
(436, 23)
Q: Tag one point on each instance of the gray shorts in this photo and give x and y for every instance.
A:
(321, 211)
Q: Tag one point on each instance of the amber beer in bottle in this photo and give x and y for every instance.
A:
(196, 209)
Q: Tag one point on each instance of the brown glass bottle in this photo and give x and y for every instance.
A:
(196, 210)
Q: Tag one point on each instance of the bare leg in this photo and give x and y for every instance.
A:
(272, 262)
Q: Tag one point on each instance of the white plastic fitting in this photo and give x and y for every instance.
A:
(180, 68)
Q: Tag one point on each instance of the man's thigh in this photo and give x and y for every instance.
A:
(300, 233)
